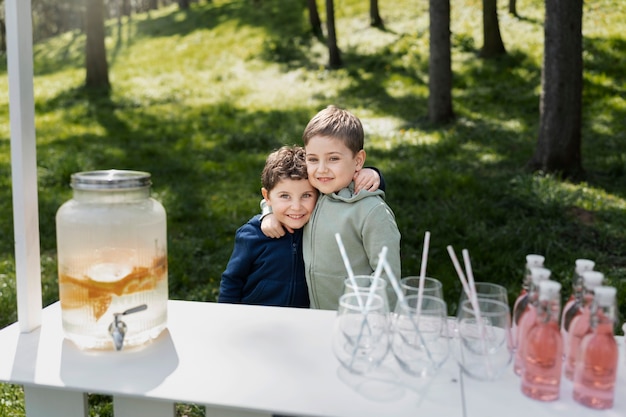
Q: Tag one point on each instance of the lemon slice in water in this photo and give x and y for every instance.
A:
(108, 272)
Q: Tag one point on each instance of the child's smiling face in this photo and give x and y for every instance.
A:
(330, 163)
(292, 201)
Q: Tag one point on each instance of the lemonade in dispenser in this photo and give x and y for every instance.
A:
(112, 260)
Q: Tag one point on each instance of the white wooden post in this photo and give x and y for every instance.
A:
(48, 402)
(142, 407)
(24, 163)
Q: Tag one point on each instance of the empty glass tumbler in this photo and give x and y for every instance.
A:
(361, 332)
(419, 335)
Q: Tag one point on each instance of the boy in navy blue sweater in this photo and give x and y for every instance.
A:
(268, 271)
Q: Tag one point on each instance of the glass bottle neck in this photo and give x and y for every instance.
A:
(602, 317)
(548, 311)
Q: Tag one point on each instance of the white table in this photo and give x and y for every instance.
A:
(238, 360)
(244, 361)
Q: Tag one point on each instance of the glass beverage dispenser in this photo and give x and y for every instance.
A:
(112, 258)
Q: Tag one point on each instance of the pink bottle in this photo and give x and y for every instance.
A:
(543, 350)
(527, 316)
(580, 324)
(532, 261)
(572, 307)
(596, 370)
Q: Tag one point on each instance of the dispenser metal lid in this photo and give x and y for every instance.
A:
(110, 180)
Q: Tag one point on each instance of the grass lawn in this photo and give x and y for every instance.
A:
(200, 97)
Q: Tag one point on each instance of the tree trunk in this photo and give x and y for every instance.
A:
(95, 54)
(375, 19)
(3, 39)
(334, 56)
(314, 18)
(513, 7)
(440, 67)
(126, 9)
(183, 4)
(493, 45)
(559, 141)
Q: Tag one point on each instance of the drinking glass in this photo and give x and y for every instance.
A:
(419, 335)
(483, 348)
(360, 334)
(432, 286)
(490, 291)
(364, 283)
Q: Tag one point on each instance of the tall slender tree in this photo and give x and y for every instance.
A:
(440, 67)
(334, 55)
(314, 18)
(559, 143)
(493, 45)
(96, 64)
(375, 19)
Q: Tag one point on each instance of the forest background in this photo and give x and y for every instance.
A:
(200, 96)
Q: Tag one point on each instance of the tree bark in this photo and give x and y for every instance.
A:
(314, 18)
(513, 7)
(334, 56)
(440, 67)
(95, 54)
(559, 141)
(493, 45)
(375, 19)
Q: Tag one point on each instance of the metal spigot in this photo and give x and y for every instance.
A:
(117, 329)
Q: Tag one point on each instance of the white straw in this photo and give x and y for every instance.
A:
(469, 287)
(402, 300)
(420, 291)
(379, 269)
(460, 273)
(346, 262)
(344, 256)
(368, 303)
(470, 275)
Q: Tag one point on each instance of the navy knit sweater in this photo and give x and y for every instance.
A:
(265, 271)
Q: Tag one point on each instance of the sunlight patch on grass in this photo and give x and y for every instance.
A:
(398, 87)
(551, 191)
(591, 198)
(55, 85)
(388, 133)
(481, 153)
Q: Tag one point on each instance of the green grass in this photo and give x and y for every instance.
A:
(200, 98)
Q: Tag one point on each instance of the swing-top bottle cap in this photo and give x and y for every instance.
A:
(604, 295)
(534, 260)
(539, 274)
(592, 279)
(549, 290)
(583, 265)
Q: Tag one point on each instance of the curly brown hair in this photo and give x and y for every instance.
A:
(285, 163)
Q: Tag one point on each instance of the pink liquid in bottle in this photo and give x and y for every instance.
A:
(596, 371)
(580, 324)
(532, 261)
(527, 316)
(543, 351)
(573, 305)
